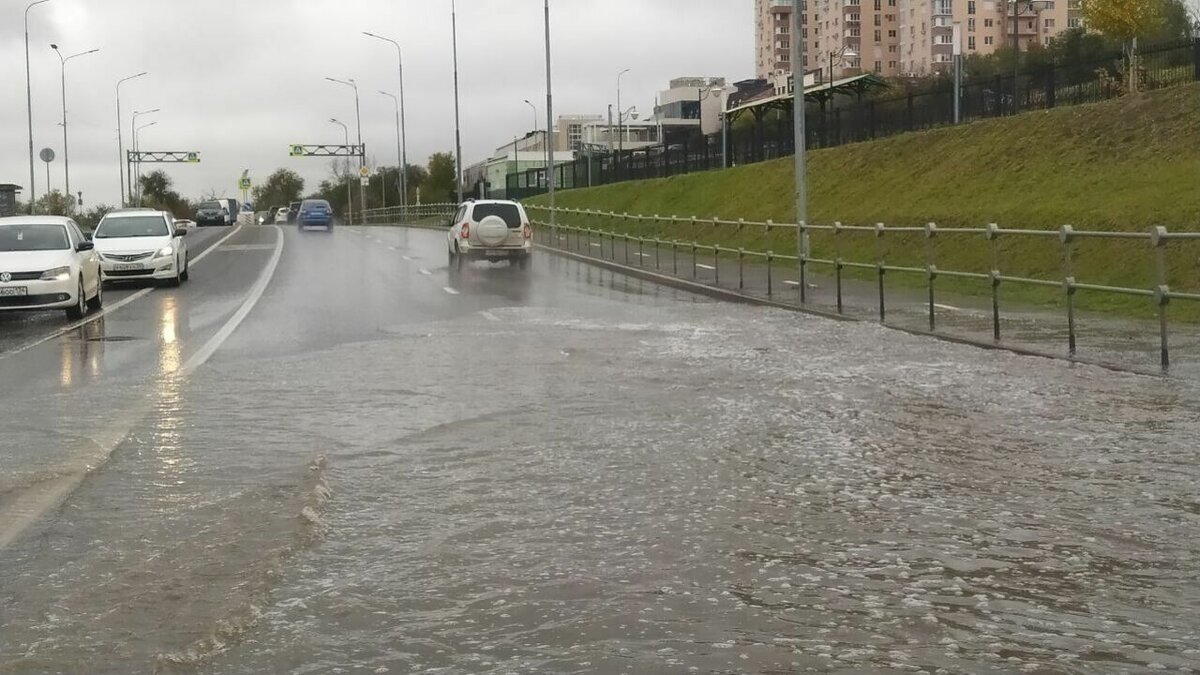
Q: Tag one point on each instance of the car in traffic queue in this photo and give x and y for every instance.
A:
(491, 230)
(293, 211)
(279, 215)
(185, 223)
(215, 212)
(141, 245)
(46, 262)
(315, 213)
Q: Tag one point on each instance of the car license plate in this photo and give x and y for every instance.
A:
(126, 268)
(14, 291)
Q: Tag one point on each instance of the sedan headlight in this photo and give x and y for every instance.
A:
(57, 274)
(164, 252)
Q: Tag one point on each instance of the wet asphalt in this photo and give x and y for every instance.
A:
(329, 452)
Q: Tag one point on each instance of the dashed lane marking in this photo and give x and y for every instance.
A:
(449, 290)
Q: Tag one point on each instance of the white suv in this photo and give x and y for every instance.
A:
(490, 229)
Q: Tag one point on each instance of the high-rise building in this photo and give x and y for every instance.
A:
(773, 37)
(927, 26)
(849, 37)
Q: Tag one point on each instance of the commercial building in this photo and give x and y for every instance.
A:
(689, 104)
(568, 131)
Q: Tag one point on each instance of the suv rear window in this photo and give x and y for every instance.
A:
(509, 212)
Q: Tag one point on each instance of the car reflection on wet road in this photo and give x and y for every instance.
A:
(387, 467)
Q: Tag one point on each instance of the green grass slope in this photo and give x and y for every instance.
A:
(1122, 165)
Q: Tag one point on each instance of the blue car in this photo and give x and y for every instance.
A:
(315, 213)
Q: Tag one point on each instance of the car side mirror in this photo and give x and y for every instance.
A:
(181, 232)
(85, 246)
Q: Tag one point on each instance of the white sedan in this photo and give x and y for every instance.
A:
(142, 245)
(47, 263)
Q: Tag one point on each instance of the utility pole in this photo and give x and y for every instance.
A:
(550, 169)
(800, 182)
(957, 47)
(29, 104)
(458, 167)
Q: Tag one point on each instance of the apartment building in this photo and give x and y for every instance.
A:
(926, 28)
(773, 37)
(850, 37)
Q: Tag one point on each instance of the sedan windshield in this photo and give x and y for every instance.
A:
(132, 226)
(33, 238)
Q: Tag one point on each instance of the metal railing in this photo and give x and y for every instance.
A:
(419, 214)
(607, 237)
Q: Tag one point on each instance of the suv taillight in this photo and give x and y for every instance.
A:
(466, 230)
(528, 231)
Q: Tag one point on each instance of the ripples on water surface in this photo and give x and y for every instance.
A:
(633, 488)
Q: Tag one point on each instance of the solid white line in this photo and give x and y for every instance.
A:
(214, 343)
(425, 272)
(489, 316)
(109, 309)
(707, 267)
(449, 290)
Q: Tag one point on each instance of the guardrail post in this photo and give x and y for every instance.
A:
(1162, 294)
(770, 288)
(717, 265)
(641, 252)
(674, 257)
(1066, 235)
(993, 237)
(741, 269)
(930, 271)
(740, 224)
(656, 256)
(879, 270)
(837, 262)
(625, 236)
(693, 260)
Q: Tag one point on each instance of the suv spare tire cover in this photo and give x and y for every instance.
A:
(492, 230)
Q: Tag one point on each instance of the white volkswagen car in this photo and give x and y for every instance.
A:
(140, 244)
(47, 263)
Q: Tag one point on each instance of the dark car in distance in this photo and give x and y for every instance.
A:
(214, 212)
(315, 213)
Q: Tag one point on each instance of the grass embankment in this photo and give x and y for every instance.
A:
(1123, 165)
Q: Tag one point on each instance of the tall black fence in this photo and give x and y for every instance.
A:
(852, 120)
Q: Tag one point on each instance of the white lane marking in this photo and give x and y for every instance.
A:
(789, 282)
(405, 257)
(425, 272)
(489, 316)
(214, 343)
(391, 248)
(449, 290)
(113, 307)
(596, 244)
(950, 308)
(707, 267)
(249, 247)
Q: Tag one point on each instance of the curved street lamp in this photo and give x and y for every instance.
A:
(29, 103)
(66, 152)
(403, 130)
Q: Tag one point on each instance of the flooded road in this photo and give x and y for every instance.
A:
(388, 468)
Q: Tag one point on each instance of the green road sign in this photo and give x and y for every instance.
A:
(244, 184)
(193, 158)
(297, 150)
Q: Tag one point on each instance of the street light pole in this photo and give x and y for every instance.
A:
(29, 103)
(66, 152)
(121, 159)
(399, 150)
(349, 192)
(362, 159)
(535, 120)
(403, 130)
(136, 148)
(550, 169)
(620, 127)
(135, 189)
(801, 180)
(458, 167)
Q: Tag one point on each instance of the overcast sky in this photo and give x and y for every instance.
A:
(239, 80)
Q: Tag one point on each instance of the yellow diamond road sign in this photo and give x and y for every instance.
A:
(364, 172)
